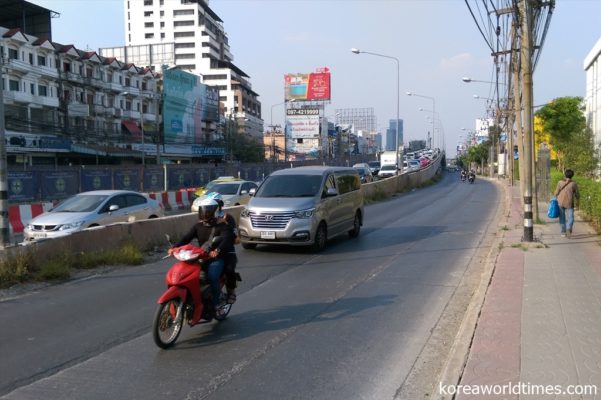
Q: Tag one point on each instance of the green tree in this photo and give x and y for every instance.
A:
(564, 120)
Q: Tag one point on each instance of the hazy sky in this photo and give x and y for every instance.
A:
(436, 41)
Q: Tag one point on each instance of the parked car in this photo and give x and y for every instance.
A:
(94, 208)
(374, 166)
(234, 192)
(303, 206)
(364, 172)
(386, 171)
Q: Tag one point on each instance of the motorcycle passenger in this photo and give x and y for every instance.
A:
(207, 228)
(231, 259)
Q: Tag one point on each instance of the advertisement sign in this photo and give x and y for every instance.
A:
(302, 123)
(127, 179)
(180, 178)
(312, 86)
(154, 180)
(22, 187)
(96, 179)
(57, 185)
(17, 142)
(187, 103)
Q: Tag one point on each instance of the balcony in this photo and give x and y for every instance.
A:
(117, 112)
(70, 76)
(17, 97)
(91, 81)
(149, 117)
(45, 71)
(18, 66)
(46, 101)
(131, 114)
(78, 110)
(132, 91)
(115, 87)
(99, 109)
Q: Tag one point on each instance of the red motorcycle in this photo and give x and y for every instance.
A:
(187, 298)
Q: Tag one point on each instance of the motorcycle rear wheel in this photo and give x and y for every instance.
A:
(168, 323)
(224, 307)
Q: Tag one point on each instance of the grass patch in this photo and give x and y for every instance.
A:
(520, 246)
(504, 228)
(26, 267)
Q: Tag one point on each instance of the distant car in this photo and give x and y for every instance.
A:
(413, 165)
(94, 208)
(364, 173)
(424, 161)
(386, 171)
(374, 166)
(233, 192)
(202, 190)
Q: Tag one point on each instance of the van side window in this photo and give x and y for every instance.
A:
(330, 183)
(347, 182)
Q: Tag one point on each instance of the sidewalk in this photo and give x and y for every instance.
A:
(540, 323)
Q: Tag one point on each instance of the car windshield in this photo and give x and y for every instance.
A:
(374, 164)
(81, 203)
(388, 167)
(361, 171)
(224, 188)
(414, 162)
(290, 186)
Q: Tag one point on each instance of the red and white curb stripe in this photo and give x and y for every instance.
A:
(176, 200)
(20, 215)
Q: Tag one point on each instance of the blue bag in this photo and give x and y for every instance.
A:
(553, 210)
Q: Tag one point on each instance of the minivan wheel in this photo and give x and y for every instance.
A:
(249, 246)
(321, 237)
(356, 226)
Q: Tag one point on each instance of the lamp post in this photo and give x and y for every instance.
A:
(435, 116)
(433, 107)
(396, 138)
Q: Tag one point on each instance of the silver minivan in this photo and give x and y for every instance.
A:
(303, 206)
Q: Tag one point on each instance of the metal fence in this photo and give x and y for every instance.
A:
(35, 184)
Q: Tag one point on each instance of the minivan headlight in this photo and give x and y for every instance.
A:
(304, 213)
(244, 213)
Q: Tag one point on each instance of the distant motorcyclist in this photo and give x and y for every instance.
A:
(471, 176)
(463, 175)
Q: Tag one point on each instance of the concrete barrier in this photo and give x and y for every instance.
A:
(20, 215)
(175, 200)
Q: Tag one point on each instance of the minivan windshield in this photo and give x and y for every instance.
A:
(290, 186)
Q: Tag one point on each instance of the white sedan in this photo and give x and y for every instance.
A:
(386, 171)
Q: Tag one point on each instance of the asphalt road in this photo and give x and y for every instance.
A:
(348, 323)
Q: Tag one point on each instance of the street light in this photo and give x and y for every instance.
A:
(396, 139)
(433, 123)
(433, 108)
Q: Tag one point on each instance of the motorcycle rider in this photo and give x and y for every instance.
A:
(207, 228)
(231, 259)
(471, 175)
(463, 175)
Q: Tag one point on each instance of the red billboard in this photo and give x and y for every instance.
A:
(312, 86)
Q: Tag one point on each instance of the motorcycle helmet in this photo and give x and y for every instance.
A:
(219, 199)
(207, 209)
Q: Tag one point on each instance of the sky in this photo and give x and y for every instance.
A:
(436, 42)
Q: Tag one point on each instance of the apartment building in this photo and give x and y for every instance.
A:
(190, 35)
(64, 105)
(592, 99)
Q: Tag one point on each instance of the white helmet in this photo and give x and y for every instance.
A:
(207, 209)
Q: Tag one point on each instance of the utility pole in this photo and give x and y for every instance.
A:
(4, 227)
(526, 20)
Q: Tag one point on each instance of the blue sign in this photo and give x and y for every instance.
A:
(154, 180)
(181, 178)
(127, 179)
(22, 187)
(58, 185)
(96, 179)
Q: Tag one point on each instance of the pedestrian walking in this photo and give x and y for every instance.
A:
(566, 191)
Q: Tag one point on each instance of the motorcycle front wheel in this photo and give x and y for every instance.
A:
(168, 323)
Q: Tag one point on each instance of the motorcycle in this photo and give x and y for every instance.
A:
(471, 178)
(187, 298)
(463, 177)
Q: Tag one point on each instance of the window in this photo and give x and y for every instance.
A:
(149, 35)
(148, 24)
(32, 88)
(162, 35)
(161, 2)
(162, 13)
(13, 54)
(147, 2)
(184, 45)
(184, 56)
(183, 34)
(148, 13)
(42, 60)
(182, 12)
(162, 24)
(127, 82)
(183, 23)
(188, 66)
(31, 58)
(13, 86)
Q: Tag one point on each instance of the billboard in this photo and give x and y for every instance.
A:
(312, 86)
(187, 103)
(303, 123)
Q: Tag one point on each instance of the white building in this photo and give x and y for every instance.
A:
(592, 99)
(190, 35)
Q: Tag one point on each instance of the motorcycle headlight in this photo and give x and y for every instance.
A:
(73, 225)
(304, 213)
